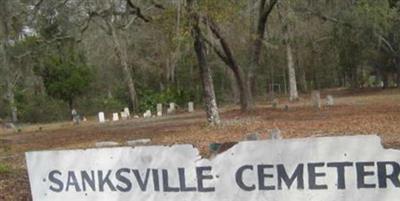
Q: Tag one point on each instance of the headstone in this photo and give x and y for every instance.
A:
(115, 117)
(159, 109)
(286, 108)
(275, 134)
(139, 142)
(106, 144)
(75, 116)
(330, 101)
(127, 112)
(171, 108)
(124, 116)
(190, 107)
(275, 103)
(147, 114)
(381, 84)
(102, 117)
(316, 99)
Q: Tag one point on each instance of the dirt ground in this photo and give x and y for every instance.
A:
(361, 112)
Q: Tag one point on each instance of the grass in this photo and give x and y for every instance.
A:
(4, 169)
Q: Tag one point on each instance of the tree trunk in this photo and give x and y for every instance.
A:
(398, 72)
(303, 80)
(208, 86)
(234, 88)
(228, 58)
(265, 10)
(11, 101)
(123, 59)
(354, 78)
(293, 94)
(10, 86)
(385, 78)
(6, 65)
(205, 72)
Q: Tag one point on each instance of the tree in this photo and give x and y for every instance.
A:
(265, 9)
(66, 76)
(205, 71)
(117, 17)
(287, 32)
(11, 30)
(228, 58)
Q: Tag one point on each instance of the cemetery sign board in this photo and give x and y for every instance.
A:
(314, 169)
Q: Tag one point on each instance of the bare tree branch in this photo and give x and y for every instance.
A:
(137, 11)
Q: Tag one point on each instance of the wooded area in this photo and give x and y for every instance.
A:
(103, 55)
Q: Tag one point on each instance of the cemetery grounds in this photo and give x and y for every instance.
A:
(355, 112)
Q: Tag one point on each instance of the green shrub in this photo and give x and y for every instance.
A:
(41, 109)
(148, 99)
(4, 169)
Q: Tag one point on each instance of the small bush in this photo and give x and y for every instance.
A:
(148, 99)
(40, 109)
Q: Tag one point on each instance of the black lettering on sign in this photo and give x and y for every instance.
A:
(341, 173)
(72, 181)
(166, 186)
(313, 175)
(239, 178)
(142, 182)
(59, 185)
(127, 184)
(201, 176)
(182, 181)
(298, 175)
(88, 180)
(384, 176)
(262, 177)
(156, 180)
(362, 174)
(105, 180)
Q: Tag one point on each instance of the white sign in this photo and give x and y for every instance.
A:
(316, 169)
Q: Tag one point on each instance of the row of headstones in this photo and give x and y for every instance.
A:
(315, 101)
(170, 110)
(125, 114)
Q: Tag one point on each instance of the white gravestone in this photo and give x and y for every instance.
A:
(127, 112)
(190, 107)
(115, 117)
(124, 116)
(159, 109)
(355, 168)
(147, 114)
(102, 117)
(171, 108)
(330, 101)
